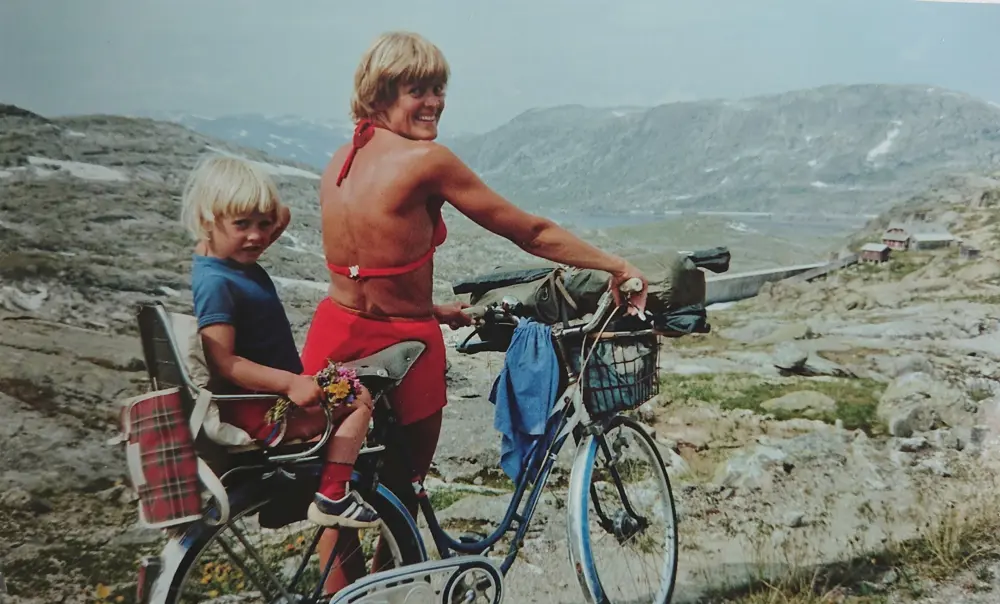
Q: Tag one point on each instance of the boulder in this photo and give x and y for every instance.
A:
(917, 402)
(808, 403)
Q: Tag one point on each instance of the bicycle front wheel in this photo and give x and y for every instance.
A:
(622, 522)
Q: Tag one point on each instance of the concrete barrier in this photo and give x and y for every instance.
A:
(739, 286)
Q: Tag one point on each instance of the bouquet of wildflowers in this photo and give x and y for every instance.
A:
(340, 387)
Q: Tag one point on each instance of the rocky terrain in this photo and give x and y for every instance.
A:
(833, 441)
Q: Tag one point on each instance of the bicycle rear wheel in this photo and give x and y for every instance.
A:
(622, 522)
(242, 562)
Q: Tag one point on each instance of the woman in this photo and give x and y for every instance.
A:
(380, 200)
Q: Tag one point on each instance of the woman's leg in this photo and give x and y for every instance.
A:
(421, 440)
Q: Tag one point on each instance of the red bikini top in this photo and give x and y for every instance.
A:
(363, 133)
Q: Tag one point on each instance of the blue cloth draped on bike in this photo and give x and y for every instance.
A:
(524, 394)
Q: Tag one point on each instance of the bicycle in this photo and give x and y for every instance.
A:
(591, 409)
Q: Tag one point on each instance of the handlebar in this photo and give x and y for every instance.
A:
(501, 312)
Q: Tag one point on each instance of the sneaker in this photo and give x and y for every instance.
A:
(350, 511)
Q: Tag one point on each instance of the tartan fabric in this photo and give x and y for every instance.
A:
(163, 454)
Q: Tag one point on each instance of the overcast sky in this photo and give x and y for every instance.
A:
(297, 57)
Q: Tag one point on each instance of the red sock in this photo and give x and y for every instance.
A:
(334, 480)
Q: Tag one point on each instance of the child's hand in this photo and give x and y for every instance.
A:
(304, 391)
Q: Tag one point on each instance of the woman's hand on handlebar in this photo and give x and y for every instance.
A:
(451, 315)
(630, 286)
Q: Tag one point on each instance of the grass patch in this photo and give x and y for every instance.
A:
(857, 399)
(444, 497)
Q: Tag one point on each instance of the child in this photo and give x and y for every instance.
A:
(232, 207)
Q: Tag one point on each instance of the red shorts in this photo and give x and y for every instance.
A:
(248, 416)
(342, 334)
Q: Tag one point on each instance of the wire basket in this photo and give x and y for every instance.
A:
(622, 372)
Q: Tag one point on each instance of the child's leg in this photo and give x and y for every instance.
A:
(346, 442)
(334, 504)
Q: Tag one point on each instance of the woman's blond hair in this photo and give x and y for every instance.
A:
(222, 186)
(394, 58)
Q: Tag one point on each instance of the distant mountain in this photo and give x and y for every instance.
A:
(834, 149)
(283, 136)
(839, 150)
(286, 137)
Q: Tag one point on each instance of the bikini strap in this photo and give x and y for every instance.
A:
(363, 133)
(357, 273)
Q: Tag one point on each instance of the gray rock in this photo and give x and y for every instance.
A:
(897, 365)
(917, 402)
(912, 445)
(791, 359)
(805, 402)
(794, 519)
(750, 469)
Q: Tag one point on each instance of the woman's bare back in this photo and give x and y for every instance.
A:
(378, 217)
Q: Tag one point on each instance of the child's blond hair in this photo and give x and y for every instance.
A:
(394, 58)
(221, 186)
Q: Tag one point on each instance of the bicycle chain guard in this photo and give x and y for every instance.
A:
(463, 579)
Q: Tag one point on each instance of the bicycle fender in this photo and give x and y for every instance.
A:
(580, 555)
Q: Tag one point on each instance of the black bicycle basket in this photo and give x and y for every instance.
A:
(622, 372)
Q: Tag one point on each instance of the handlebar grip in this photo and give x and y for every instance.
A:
(633, 285)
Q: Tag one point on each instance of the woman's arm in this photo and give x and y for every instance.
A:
(218, 341)
(449, 177)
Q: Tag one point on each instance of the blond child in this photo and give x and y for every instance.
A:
(233, 209)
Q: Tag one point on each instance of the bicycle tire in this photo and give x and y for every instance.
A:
(248, 500)
(578, 511)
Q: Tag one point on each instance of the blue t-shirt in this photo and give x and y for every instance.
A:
(243, 295)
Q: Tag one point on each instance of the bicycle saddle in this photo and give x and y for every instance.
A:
(392, 362)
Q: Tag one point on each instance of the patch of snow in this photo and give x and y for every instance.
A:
(315, 285)
(719, 306)
(723, 181)
(74, 133)
(272, 145)
(618, 113)
(688, 369)
(883, 147)
(738, 227)
(23, 300)
(281, 139)
(291, 171)
(77, 169)
(812, 163)
(6, 174)
(273, 169)
(293, 244)
(819, 184)
(709, 170)
(681, 197)
(243, 133)
(808, 138)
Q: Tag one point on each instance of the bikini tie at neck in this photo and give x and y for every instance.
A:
(363, 133)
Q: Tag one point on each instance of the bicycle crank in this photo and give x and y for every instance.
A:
(460, 580)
